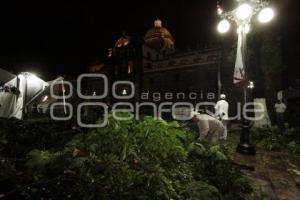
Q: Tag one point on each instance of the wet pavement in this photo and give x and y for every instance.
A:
(274, 174)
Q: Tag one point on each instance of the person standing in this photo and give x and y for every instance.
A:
(280, 109)
(210, 128)
(221, 111)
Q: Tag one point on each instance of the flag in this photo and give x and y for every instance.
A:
(240, 71)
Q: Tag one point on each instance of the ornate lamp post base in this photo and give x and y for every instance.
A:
(246, 149)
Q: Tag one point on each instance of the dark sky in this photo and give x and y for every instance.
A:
(58, 37)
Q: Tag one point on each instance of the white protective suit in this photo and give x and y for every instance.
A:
(210, 128)
(221, 111)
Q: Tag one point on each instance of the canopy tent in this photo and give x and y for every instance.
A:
(18, 92)
(43, 99)
(5, 76)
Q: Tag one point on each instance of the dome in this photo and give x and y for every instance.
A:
(122, 42)
(159, 37)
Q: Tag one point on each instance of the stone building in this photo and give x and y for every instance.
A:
(160, 72)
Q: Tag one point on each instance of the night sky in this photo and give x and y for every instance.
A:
(62, 37)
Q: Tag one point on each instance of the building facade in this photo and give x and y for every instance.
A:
(161, 73)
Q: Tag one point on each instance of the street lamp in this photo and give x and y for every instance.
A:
(251, 85)
(242, 16)
(243, 12)
(266, 15)
(224, 26)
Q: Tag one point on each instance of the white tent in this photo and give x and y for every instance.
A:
(18, 91)
(5, 76)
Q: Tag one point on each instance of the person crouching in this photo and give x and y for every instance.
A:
(210, 128)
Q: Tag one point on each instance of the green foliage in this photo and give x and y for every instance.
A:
(146, 159)
(201, 190)
(17, 138)
(126, 160)
(276, 139)
(271, 58)
(272, 67)
(210, 164)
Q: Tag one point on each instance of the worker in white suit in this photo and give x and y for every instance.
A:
(210, 128)
(221, 111)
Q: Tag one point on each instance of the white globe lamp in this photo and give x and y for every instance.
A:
(223, 26)
(244, 11)
(266, 15)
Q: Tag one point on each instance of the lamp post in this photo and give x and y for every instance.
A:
(242, 17)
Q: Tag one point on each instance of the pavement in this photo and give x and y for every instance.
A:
(273, 174)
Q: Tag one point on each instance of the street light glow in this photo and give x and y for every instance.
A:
(266, 15)
(244, 11)
(251, 85)
(223, 26)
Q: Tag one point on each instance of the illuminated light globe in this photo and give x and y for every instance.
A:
(251, 85)
(244, 11)
(266, 15)
(223, 26)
